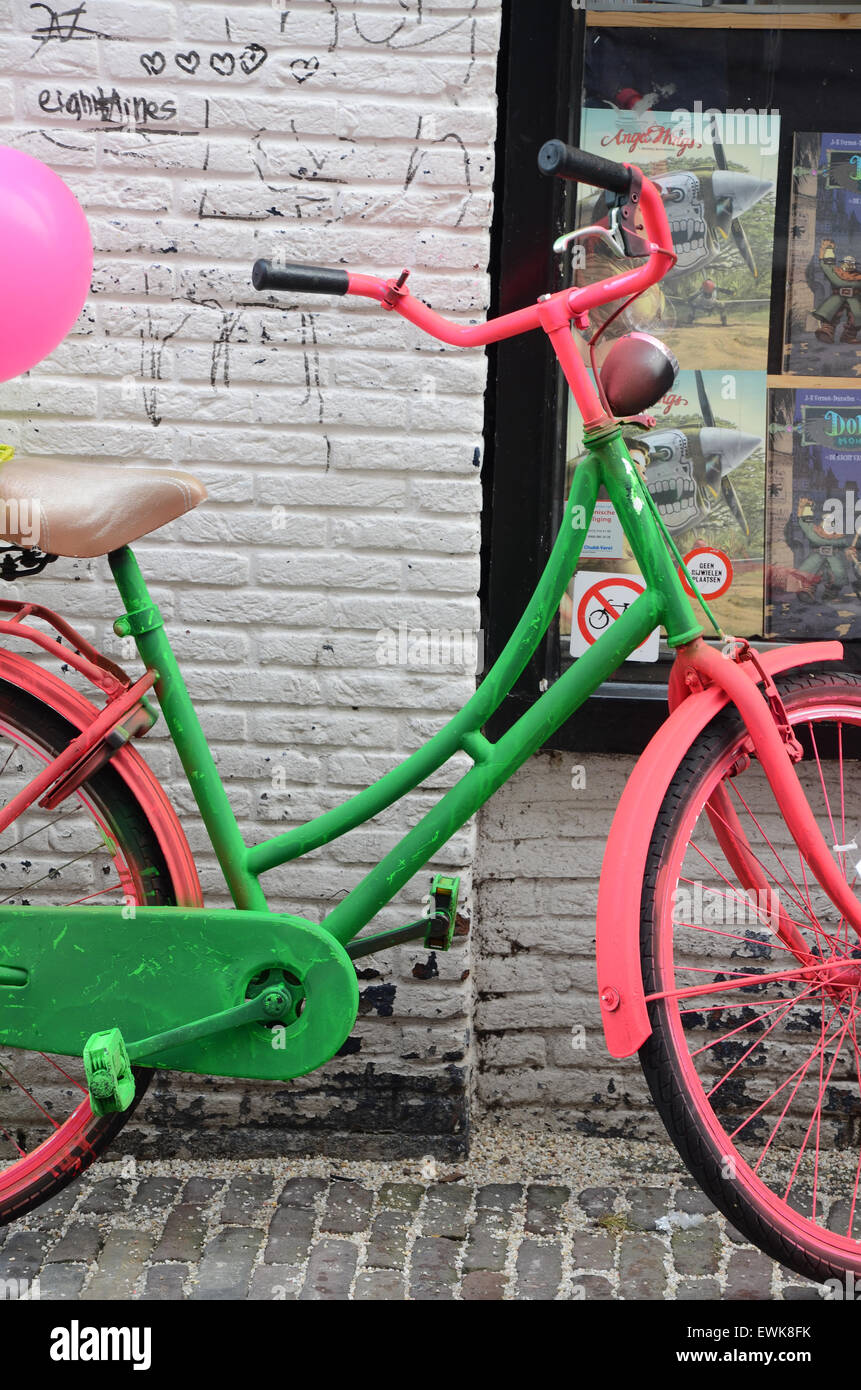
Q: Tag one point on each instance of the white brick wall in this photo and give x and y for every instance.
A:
(541, 1052)
(337, 444)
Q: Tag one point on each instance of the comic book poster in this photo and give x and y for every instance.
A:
(813, 572)
(822, 332)
(704, 465)
(717, 173)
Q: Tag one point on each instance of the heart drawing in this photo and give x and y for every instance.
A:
(153, 63)
(252, 57)
(303, 68)
(188, 62)
(223, 64)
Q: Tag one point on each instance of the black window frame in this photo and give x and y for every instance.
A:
(525, 419)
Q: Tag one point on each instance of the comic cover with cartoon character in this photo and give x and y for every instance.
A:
(703, 458)
(717, 174)
(813, 569)
(822, 330)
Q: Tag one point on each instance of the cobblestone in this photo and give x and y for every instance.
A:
(434, 1268)
(347, 1208)
(330, 1270)
(539, 1270)
(647, 1206)
(121, 1265)
(387, 1247)
(543, 1205)
(696, 1250)
(334, 1229)
(59, 1281)
(245, 1196)
(641, 1267)
(183, 1235)
(380, 1284)
(481, 1284)
(165, 1282)
(749, 1275)
(446, 1210)
(82, 1242)
(225, 1270)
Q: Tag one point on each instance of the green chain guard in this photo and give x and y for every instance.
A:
(69, 972)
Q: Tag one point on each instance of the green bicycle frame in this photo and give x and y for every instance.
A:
(664, 602)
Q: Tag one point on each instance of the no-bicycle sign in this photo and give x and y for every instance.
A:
(599, 599)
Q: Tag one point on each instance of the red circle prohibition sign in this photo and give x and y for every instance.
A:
(617, 581)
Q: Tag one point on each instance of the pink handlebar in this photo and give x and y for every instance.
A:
(549, 313)
(459, 335)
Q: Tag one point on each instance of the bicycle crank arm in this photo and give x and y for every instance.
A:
(188, 984)
(108, 1061)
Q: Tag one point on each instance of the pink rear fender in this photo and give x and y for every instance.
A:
(127, 762)
(620, 982)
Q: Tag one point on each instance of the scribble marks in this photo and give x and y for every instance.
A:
(63, 26)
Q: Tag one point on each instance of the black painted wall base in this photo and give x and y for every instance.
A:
(348, 1114)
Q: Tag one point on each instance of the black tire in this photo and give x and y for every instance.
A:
(669, 1081)
(43, 727)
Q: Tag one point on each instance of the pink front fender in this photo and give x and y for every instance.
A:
(620, 983)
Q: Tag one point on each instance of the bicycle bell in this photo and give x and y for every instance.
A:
(637, 371)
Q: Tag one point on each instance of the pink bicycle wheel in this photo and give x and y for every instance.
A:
(754, 984)
(98, 845)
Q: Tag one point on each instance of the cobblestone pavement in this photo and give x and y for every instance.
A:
(552, 1218)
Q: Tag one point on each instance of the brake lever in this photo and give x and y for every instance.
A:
(612, 237)
(620, 236)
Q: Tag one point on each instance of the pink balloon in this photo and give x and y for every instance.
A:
(46, 261)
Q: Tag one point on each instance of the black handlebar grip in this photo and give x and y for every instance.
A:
(308, 279)
(566, 162)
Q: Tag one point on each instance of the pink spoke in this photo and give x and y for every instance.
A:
(742, 1004)
(818, 1119)
(773, 850)
(800, 1072)
(14, 1078)
(842, 796)
(99, 893)
(741, 1027)
(756, 857)
(734, 936)
(817, 1111)
(802, 1068)
(821, 936)
(814, 920)
(692, 991)
(858, 1168)
(739, 896)
(752, 1048)
(56, 1064)
(824, 788)
(843, 925)
(13, 1142)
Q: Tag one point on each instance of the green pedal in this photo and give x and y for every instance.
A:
(443, 896)
(109, 1072)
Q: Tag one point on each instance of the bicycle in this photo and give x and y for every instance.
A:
(124, 969)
